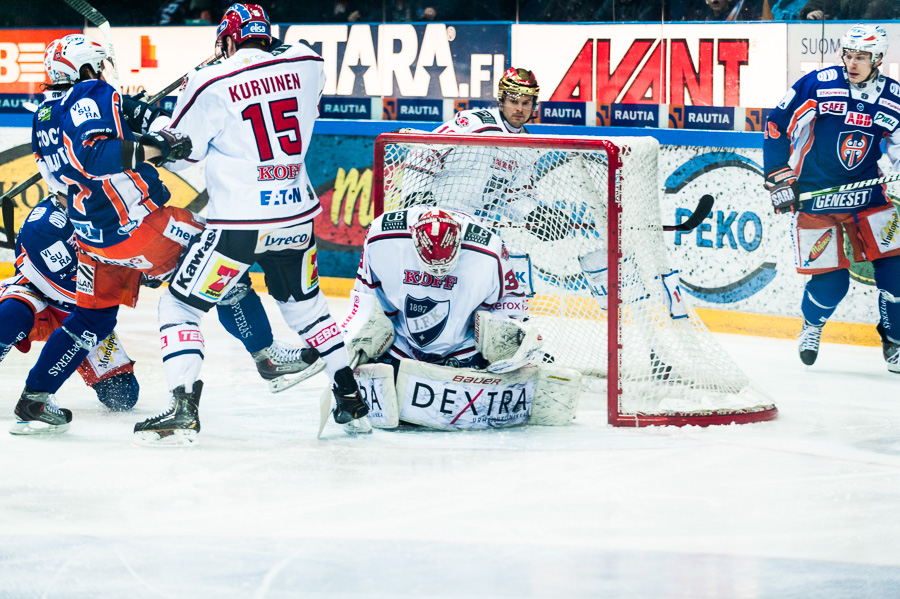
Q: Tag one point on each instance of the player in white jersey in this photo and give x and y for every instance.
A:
(436, 293)
(430, 271)
(475, 179)
(251, 116)
(517, 103)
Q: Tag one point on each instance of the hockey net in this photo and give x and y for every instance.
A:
(580, 217)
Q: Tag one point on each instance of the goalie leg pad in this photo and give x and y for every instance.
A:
(555, 396)
(462, 399)
(376, 385)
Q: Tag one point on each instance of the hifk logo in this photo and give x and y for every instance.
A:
(425, 318)
(853, 147)
(819, 246)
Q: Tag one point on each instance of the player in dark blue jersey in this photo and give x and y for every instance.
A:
(38, 298)
(123, 229)
(826, 132)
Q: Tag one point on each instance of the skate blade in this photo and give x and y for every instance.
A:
(176, 438)
(360, 426)
(287, 381)
(36, 427)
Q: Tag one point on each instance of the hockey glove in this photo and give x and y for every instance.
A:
(172, 146)
(782, 186)
(138, 114)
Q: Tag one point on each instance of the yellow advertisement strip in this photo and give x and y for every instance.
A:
(718, 321)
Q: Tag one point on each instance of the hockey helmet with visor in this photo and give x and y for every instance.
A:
(866, 37)
(64, 58)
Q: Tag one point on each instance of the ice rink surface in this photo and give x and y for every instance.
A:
(806, 506)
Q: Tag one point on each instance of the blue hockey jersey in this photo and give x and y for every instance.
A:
(46, 254)
(79, 138)
(830, 132)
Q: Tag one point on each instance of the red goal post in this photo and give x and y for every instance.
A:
(581, 217)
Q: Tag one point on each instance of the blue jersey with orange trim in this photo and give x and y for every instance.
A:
(46, 255)
(79, 138)
(830, 133)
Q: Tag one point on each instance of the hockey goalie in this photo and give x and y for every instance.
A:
(437, 322)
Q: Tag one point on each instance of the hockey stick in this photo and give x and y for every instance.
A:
(811, 195)
(8, 206)
(704, 206)
(165, 91)
(93, 15)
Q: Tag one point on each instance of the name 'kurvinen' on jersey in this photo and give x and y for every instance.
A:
(266, 85)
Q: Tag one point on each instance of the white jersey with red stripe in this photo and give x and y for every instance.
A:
(251, 116)
(433, 317)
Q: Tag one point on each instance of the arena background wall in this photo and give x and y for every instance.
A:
(704, 97)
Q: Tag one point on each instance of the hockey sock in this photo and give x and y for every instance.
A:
(822, 295)
(314, 323)
(16, 320)
(242, 314)
(182, 342)
(887, 278)
(68, 346)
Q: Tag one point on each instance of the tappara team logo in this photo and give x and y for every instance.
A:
(853, 147)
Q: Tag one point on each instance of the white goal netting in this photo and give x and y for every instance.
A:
(600, 298)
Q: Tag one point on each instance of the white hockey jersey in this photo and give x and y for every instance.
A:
(433, 317)
(252, 116)
(479, 121)
(473, 179)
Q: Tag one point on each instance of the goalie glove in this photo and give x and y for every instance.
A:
(506, 343)
(172, 146)
(782, 186)
(368, 333)
(139, 115)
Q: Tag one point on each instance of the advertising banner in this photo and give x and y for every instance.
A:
(812, 46)
(150, 58)
(22, 59)
(727, 65)
(434, 60)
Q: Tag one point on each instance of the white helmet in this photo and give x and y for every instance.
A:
(64, 58)
(866, 37)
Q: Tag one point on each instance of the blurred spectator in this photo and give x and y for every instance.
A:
(187, 12)
(850, 10)
(554, 11)
(728, 10)
(787, 10)
(630, 10)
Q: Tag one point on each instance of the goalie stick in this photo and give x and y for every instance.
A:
(93, 15)
(806, 197)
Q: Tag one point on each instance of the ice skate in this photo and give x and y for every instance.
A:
(37, 414)
(891, 351)
(283, 367)
(350, 409)
(809, 342)
(178, 426)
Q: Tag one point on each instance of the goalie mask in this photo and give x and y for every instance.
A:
(244, 22)
(64, 58)
(436, 237)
